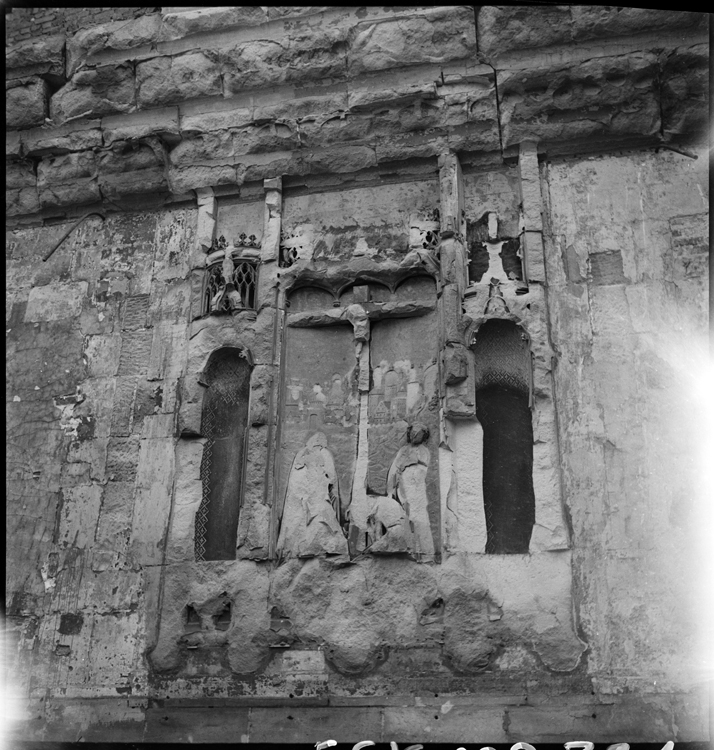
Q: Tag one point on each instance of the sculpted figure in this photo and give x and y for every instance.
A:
(310, 524)
(406, 483)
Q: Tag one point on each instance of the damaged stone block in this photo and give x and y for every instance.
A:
(21, 185)
(103, 90)
(42, 56)
(593, 21)
(603, 97)
(77, 136)
(455, 363)
(135, 352)
(132, 168)
(412, 40)
(66, 179)
(684, 90)
(261, 385)
(78, 514)
(58, 301)
(505, 29)
(164, 80)
(177, 24)
(115, 516)
(123, 458)
(26, 102)
(117, 35)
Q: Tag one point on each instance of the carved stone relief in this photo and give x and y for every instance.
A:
(492, 256)
(318, 440)
(231, 275)
(352, 396)
(403, 404)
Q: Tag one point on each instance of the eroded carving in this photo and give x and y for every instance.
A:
(310, 524)
(406, 483)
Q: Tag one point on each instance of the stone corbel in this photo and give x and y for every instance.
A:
(531, 213)
(456, 360)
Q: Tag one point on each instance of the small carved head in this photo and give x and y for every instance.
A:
(417, 433)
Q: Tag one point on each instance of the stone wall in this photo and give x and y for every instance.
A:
(364, 161)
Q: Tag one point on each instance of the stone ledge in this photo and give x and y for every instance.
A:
(448, 719)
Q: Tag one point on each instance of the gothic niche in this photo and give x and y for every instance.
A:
(318, 433)
(231, 275)
(358, 466)
(224, 422)
(491, 256)
(503, 386)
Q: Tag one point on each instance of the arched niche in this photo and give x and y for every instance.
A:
(503, 377)
(224, 423)
(416, 288)
(310, 298)
(376, 293)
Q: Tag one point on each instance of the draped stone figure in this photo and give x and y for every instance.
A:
(406, 483)
(311, 515)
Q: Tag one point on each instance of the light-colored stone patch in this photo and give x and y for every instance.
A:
(56, 301)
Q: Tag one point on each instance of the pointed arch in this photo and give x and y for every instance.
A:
(503, 387)
(224, 423)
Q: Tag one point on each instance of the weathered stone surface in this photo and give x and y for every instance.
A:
(163, 122)
(413, 40)
(26, 103)
(183, 179)
(444, 723)
(293, 725)
(123, 458)
(168, 724)
(509, 29)
(78, 514)
(106, 342)
(295, 11)
(13, 145)
(684, 81)
(103, 90)
(80, 136)
(503, 29)
(37, 56)
(58, 301)
(177, 25)
(590, 22)
(119, 35)
(599, 98)
(306, 55)
(132, 168)
(21, 201)
(21, 195)
(347, 159)
(165, 80)
(231, 144)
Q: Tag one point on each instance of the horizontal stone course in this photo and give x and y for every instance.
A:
(506, 29)
(337, 84)
(605, 96)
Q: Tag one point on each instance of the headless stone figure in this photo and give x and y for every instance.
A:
(310, 524)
